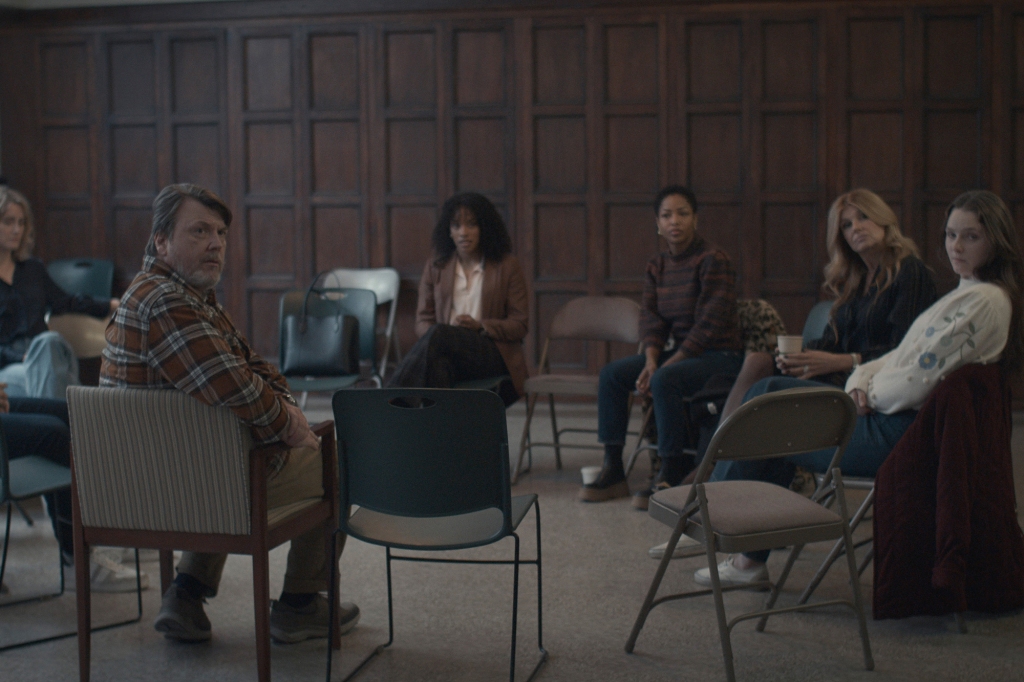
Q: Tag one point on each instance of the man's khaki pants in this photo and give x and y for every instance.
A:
(301, 478)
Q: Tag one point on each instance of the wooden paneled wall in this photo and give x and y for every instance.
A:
(335, 136)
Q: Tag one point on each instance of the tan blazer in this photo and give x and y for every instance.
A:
(504, 307)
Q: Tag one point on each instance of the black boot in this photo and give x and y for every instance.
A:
(673, 471)
(611, 483)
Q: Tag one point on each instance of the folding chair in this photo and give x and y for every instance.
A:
(428, 469)
(361, 303)
(144, 474)
(744, 516)
(384, 283)
(589, 318)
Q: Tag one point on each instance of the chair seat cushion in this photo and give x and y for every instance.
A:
(32, 475)
(435, 532)
(741, 508)
(562, 384)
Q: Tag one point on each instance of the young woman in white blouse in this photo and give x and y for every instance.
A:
(978, 322)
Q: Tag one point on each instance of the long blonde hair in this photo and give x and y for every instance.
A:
(846, 271)
(10, 196)
(1006, 268)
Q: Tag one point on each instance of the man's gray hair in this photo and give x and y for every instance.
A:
(167, 203)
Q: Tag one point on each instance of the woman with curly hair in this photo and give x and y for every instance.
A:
(978, 322)
(472, 312)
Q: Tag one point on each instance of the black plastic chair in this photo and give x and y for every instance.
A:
(362, 304)
(429, 470)
(87, 276)
(23, 479)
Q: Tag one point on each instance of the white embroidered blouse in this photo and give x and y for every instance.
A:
(969, 324)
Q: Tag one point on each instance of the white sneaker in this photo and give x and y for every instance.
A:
(683, 547)
(729, 575)
(106, 574)
(145, 555)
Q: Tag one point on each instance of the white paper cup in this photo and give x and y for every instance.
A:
(590, 474)
(790, 344)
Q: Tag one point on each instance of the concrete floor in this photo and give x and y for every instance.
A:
(452, 623)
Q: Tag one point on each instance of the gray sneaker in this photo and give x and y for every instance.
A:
(289, 625)
(181, 617)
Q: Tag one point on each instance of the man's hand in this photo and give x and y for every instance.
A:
(5, 403)
(861, 399)
(298, 434)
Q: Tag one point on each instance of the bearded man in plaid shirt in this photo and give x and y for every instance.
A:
(170, 332)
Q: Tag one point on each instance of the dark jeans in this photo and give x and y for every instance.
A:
(669, 386)
(446, 355)
(873, 439)
(39, 426)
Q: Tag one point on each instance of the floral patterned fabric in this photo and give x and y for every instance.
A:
(969, 324)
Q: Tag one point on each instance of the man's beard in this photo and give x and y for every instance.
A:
(202, 280)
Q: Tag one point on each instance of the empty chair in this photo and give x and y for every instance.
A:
(132, 449)
(744, 516)
(384, 283)
(86, 276)
(428, 470)
(588, 318)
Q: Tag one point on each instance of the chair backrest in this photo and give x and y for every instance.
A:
(760, 324)
(784, 423)
(5, 469)
(88, 276)
(85, 334)
(817, 320)
(597, 318)
(423, 452)
(361, 303)
(152, 459)
(383, 282)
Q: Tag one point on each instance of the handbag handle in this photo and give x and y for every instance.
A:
(305, 304)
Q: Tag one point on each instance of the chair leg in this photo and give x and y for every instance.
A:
(83, 606)
(261, 606)
(515, 611)
(524, 442)
(645, 418)
(776, 589)
(28, 519)
(166, 570)
(652, 591)
(554, 432)
(716, 588)
(851, 562)
(7, 541)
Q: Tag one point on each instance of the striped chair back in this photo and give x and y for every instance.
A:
(151, 459)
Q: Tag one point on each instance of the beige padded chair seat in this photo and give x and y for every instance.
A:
(567, 384)
(779, 509)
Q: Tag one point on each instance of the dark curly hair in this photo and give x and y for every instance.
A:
(684, 192)
(495, 243)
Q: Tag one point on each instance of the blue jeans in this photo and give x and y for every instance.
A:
(669, 387)
(50, 366)
(873, 439)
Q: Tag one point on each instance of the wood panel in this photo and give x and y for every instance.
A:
(335, 135)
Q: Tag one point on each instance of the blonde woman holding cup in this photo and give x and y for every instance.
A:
(880, 286)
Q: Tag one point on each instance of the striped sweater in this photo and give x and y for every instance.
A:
(691, 297)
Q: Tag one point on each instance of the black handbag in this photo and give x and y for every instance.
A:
(320, 345)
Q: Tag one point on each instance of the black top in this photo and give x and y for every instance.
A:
(874, 326)
(23, 306)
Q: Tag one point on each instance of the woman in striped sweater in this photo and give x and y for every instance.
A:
(689, 332)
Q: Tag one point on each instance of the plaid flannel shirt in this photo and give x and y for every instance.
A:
(166, 334)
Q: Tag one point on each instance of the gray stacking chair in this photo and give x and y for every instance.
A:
(384, 283)
(588, 318)
(817, 320)
(744, 516)
(428, 470)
